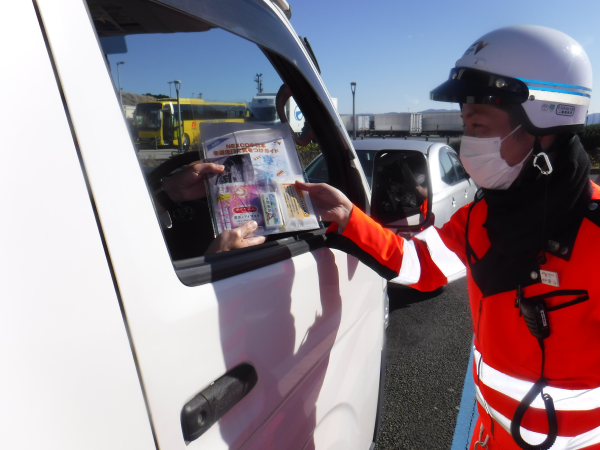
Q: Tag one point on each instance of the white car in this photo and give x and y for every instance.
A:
(451, 186)
(114, 333)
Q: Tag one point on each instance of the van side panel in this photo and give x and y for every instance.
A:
(68, 378)
(311, 325)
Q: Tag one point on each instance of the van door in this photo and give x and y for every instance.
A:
(308, 320)
(68, 378)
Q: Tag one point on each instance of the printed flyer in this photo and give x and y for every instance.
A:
(238, 204)
(257, 160)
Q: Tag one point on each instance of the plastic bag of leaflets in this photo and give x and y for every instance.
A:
(258, 183)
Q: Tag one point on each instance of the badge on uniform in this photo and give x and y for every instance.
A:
(549, 278)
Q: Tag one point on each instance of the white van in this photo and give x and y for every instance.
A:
(116, 335)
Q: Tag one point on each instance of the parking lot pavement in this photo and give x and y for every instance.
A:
(429, 343)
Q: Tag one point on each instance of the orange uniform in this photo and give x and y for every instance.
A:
(507, 357)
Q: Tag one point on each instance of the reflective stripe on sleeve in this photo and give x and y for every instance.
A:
(446, 260)
(562, 442)
(410, 270)
(564, 399)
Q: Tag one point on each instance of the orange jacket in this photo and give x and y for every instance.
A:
(507, 358)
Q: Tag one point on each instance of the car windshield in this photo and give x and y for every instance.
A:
(147, 116)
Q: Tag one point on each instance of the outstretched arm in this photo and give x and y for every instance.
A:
(332, 204)
(423, 262)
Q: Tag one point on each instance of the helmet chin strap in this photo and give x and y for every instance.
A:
(546, 171)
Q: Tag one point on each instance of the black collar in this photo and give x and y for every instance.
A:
(515, 226)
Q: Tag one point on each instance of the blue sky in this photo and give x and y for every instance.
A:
(396, 50)
(219, 64)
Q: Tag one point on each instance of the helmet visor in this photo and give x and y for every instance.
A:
(476, 86)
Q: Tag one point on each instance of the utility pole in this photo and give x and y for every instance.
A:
(180, 137)
(258, 81)
(353, 88)
(119, 77)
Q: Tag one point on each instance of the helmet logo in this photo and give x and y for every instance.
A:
(480, 46)
(476, 47)
(565, 110)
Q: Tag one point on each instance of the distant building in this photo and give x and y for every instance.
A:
(129, 110)
(593, 119)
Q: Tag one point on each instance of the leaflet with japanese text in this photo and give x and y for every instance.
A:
(257, 159)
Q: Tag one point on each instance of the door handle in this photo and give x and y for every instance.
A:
(206, 408)
(466, 195)
(453, 202)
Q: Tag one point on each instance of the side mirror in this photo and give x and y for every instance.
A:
(401, 191)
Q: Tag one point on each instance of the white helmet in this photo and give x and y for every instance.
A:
(543, 72)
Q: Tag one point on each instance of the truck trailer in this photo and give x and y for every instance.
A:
(363, 124)
(443, 123)
(398, 124)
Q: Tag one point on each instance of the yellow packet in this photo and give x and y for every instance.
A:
(295, 202)
(297, 208)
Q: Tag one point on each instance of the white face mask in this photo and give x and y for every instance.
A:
(482, 160)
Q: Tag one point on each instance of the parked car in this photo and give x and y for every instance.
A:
(451, 186)
(116, 331)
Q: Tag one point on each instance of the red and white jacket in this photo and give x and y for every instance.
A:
(507, 358)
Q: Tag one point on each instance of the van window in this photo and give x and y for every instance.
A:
(174, 82)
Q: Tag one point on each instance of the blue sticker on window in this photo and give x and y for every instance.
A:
(217, 142)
